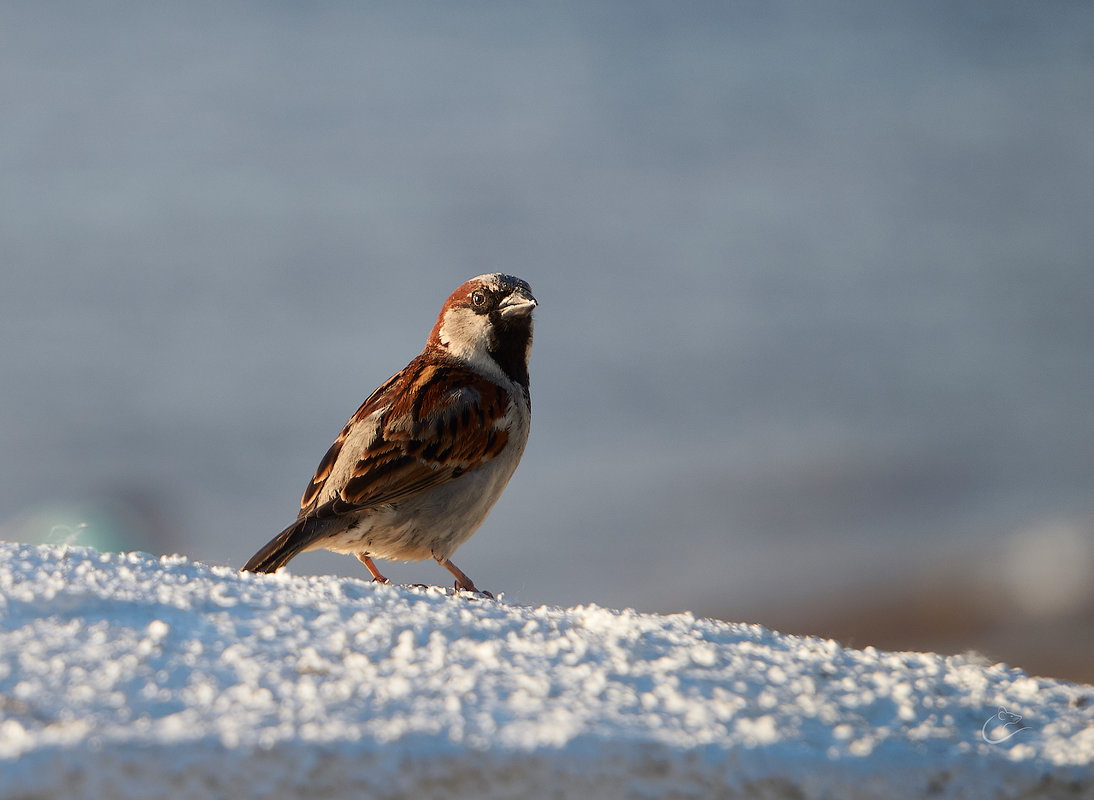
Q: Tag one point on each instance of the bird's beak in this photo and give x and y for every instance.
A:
(519, 304)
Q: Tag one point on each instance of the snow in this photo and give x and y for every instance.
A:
(130, 676)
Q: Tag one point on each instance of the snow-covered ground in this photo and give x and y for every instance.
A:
(128, 676)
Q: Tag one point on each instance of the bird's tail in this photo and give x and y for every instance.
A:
(285, 546)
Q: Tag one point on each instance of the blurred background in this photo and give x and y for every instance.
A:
(815, 344)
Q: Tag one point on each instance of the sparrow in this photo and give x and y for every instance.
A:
(417, 469)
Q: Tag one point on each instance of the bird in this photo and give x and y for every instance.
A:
(419, 466)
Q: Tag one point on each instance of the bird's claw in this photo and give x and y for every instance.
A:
(472, 590)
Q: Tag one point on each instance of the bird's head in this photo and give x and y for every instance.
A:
(487, 323)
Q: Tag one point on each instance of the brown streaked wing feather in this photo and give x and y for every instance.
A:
(431, 434)
(376, 400)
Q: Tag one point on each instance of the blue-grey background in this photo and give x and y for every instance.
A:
(816, 286)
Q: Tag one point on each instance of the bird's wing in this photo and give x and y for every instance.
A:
(436, 422)
(376, 401)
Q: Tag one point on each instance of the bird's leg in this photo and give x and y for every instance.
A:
(463, 583)
(376, 576)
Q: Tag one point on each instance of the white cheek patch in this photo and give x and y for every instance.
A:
(457, 330)
(465, 335)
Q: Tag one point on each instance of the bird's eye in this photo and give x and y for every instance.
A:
(478, 298)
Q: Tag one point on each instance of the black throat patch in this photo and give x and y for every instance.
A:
(509, 343)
